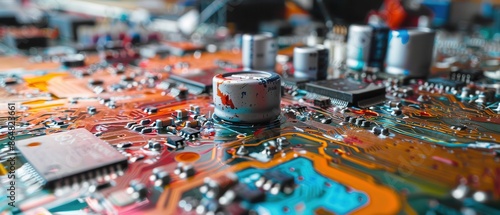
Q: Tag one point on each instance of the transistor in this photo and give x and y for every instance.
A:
(175, 142)
(190, 133)
(184, 170)
(160, 177)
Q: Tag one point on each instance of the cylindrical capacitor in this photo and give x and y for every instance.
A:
(323, 61)
(305, 62)
(367, 47)
(410, 52)
(311, 62)
(378, 48)
(259, 52)
(247, 96)
(358, 46)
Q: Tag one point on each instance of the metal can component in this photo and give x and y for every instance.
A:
(358, 46)
(259, 52)
(305, 62)
(378, 48)
(247, 96)
(410, 52)
(311, 62)
(323, 61)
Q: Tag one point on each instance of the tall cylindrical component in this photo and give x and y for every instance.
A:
(323, 61)
(311, 62)
(358, 46)
(305, 62)
(410, 52)
(247, 96)
(367, 47)
(378, 48)
(259, 52)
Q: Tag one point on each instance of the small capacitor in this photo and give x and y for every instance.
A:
(410, 52)
(259, 52)
(247, 96)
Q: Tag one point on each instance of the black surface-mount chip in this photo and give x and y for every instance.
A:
(69, 157)
(189, 132)
(350, 91)
(175, 142)
(197, 82)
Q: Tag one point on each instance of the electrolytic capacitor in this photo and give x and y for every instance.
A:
(305, 62)
(259, 52)
(323, 61)
(410, 52)
(358, 46)
(367, 47)
(311, 62)
(378, 48)
(247, 96)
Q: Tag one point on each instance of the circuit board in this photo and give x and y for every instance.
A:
(200, 133)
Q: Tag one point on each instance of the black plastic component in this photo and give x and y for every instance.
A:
(350, 91)
(251, 195)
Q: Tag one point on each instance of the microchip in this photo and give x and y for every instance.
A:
(350, 91)
(447, 83)
(279, 177)
(297, 82)
(465, 75)
(69, 156)
(197, 81)
(182, 48)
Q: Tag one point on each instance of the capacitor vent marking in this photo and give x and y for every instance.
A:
(247, 96)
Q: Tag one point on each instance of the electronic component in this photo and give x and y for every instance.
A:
(76, 60)
(70, 156)
(367, 47)
(358, 46)
(68, 25)
(196, 81)
(26, 38)
(310, 62)
(350, 91)
(378, 48)
(175, 142)
(247, 96)
(143, 115)
(259, 52)
(409, 52)
(465, 76)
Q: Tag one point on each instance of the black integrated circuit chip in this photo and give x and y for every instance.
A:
(197, 82)
(350, 91)
(71, 156)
